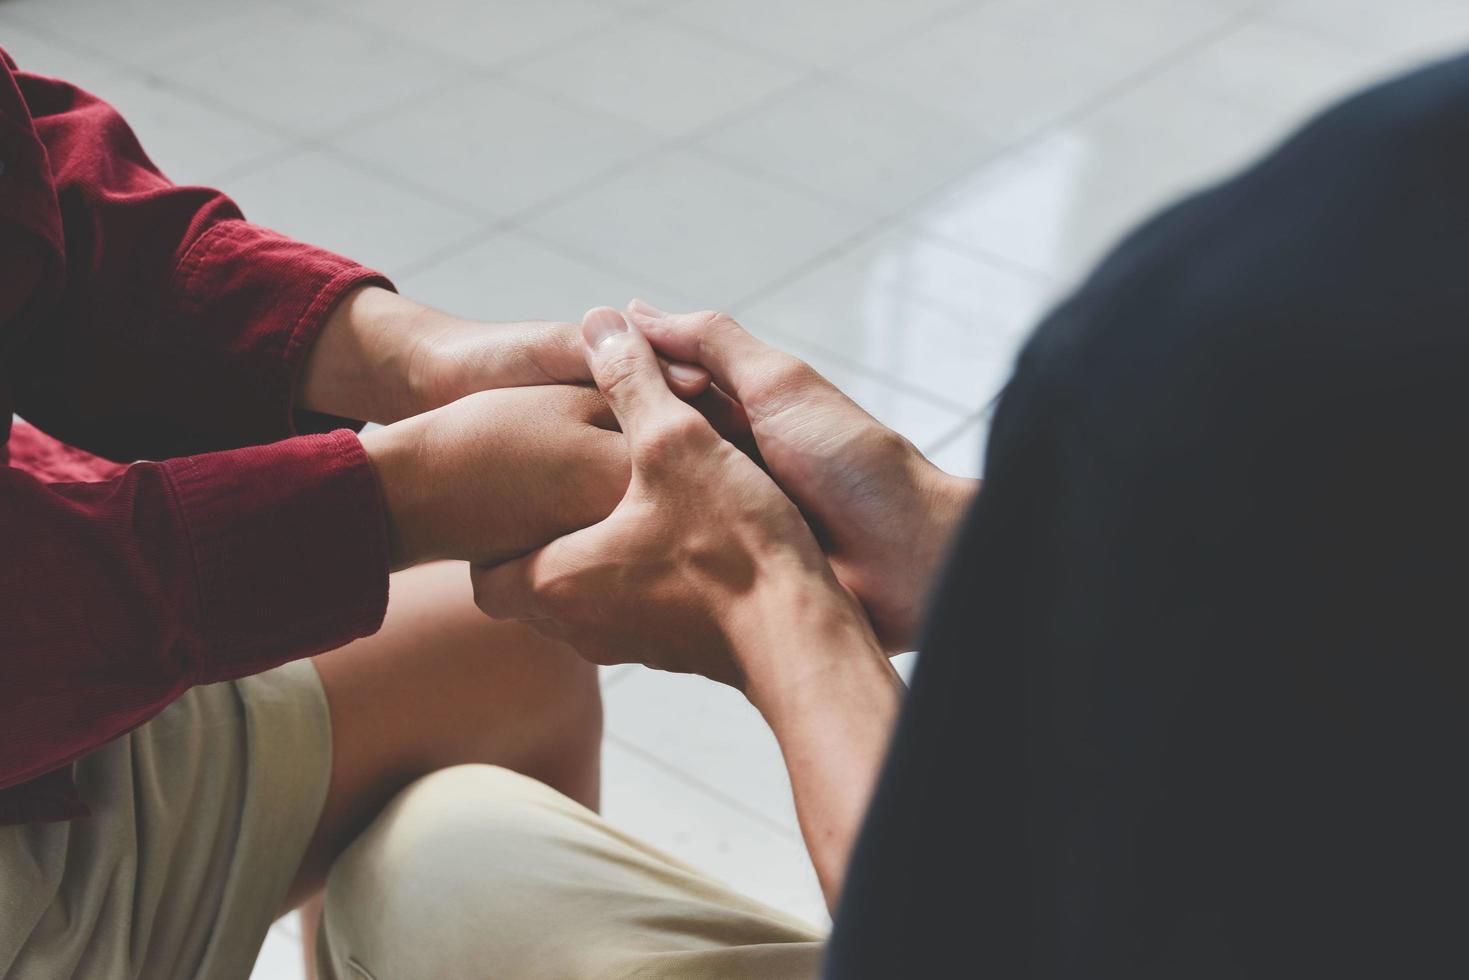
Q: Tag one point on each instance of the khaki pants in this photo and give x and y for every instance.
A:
(200, 819)
(479, 872)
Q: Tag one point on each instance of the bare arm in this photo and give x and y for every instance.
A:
(706, 567)
(382, 357)
(831, 698)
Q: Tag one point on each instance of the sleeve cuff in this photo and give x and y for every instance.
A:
(237, 272)
(290, 550)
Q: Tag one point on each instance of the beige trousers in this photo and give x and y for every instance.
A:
(477, 872)
(199, 820)
(200, 817)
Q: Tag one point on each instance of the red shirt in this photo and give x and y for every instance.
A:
(143, 320)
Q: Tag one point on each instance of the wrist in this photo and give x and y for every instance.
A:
(944, 500)
(940, 503)
(900, 563)
(397, 457)
(366, 362)
(793, 634)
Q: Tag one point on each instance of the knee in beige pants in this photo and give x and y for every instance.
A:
(479, 872)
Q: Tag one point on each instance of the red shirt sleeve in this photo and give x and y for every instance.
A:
(117, 596)
(143, 320)
(170, 325)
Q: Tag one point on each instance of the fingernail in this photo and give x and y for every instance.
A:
(601, 323)
(685, 373)
(643, 306)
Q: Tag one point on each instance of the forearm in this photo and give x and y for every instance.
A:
(381, 358)
(497, 473)
(366, 362)
(831, 698)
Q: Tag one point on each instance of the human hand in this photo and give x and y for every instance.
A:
(883, 512)
(498, 473)
(704, 566)
(381, 357)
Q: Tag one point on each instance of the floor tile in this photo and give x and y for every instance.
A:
(1405, 31)
(710, 733)
(609, 676)
(874, 149)
(142, 33)
(647, 800)
(651, 72)
(315, 198)
(1055, 205)
(1051, 206)
(915, 309)
(485, 32)
(495, 148)
(919, 417)
(512, 276)
(812, 33)
(1012, 67)
(43, 54)
(963, 455)
(698, 227)
(641, 5)
(280, 958)
(1277, 71)
(190, 142)
(904, 663)
(310, 71)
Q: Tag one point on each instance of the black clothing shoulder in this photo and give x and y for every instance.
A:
(1194, 693)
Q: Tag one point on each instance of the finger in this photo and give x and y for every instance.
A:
(728, 418)
(724, 413)
(743, 365)
(554, 351)
(504, 591)
(628, 375)
(686, 380)
(517, 589)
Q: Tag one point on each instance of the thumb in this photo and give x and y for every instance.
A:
(520, 589)
(628, 373)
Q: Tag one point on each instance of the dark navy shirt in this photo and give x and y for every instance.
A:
(1194, 694)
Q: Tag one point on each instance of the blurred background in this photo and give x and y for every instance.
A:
(893, 189)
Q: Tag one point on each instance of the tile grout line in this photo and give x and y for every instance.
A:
(1113, 91)
(611, 680)
(946, 440)
(687, 142)
(893, 381)
(296, 142)
(696, 783)
(478, 236)
(954, 10)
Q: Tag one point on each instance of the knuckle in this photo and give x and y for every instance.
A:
(781, 377)
(618, 368)
(670, 439)
(716, 328)
(490, 600)
(598, 654)
(790, 371)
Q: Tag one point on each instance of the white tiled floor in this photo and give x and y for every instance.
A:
(892, 188)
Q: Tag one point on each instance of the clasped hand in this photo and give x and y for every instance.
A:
(664, 544)
(708, 563)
